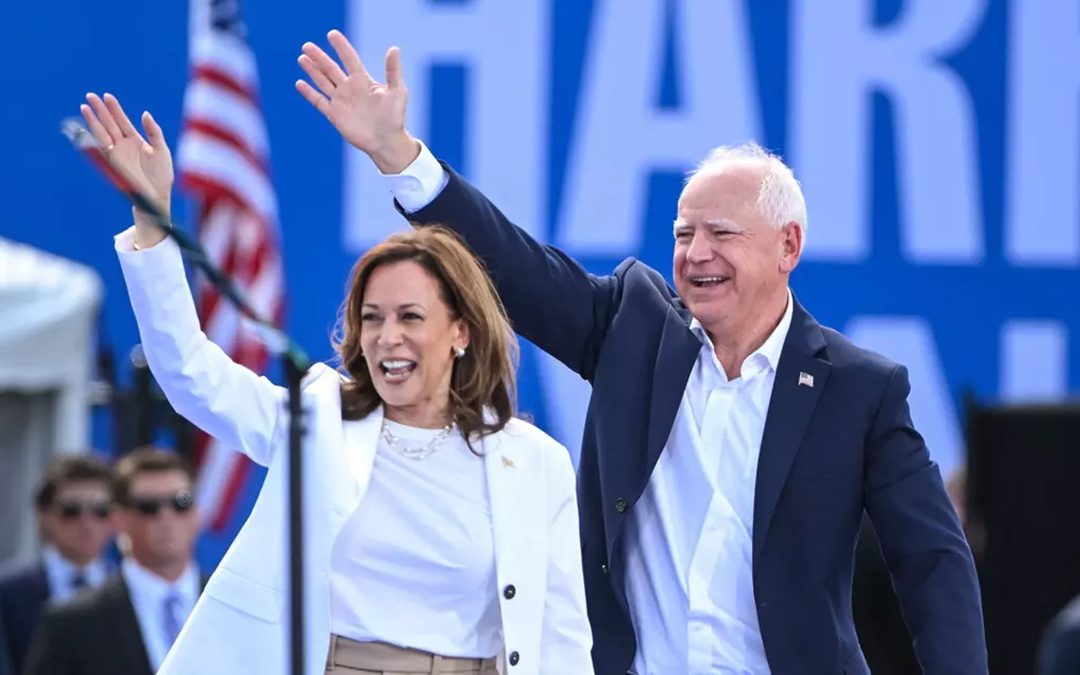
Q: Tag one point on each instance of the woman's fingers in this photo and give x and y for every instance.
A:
(118, 114)
(321, 81)
(97, 129)
(313, 97)
(153, 132)
(105, 117)
(324, 63)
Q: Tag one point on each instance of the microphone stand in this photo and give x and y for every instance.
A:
(277, 342)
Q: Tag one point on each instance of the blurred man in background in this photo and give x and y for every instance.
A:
(73, 504)
(128, 625)
(1059, 650)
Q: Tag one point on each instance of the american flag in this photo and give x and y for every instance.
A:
(223, 164)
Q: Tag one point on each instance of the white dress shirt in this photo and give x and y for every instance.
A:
(690, 537)
(689, 546)
(61, 573)
(414, 565)
(148, 595)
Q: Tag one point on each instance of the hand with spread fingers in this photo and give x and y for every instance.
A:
(146, 162)
(368, 114)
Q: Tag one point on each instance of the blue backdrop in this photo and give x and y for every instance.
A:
(938, 144)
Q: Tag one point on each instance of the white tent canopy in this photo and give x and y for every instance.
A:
(48, 309)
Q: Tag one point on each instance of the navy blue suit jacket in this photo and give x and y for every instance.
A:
(23, 593)
(95, 633)
(828, 452)
(1059, 650)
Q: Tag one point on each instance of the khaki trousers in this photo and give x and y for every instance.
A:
(349, 657)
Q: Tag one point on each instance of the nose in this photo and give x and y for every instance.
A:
(699, 250)
(390, 333)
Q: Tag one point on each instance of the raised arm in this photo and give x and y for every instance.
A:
(551, 299)
(202, 383)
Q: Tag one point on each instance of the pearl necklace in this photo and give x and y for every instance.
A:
(416, 453)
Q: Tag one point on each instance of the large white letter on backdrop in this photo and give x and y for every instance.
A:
(503, 48)
(838, 60)
(620, 135)
(1042, 168)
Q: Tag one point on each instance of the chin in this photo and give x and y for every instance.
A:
(707, 314)
(396, 398)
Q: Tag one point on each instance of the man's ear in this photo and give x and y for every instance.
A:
(791, 246)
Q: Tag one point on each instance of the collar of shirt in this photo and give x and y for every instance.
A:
(767, 356)
(147, 587)
(61, 573)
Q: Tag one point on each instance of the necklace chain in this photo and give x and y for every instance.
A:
(416, 452)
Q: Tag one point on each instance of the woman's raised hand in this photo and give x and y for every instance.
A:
(368, 114)
(145, 162)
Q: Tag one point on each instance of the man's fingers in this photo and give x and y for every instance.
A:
(394, 77)
(321, 81)
(347, 54)
(105, 117)
(313, 97)
(122, 121)
(97, 129)
(153, 131)
(324, 63)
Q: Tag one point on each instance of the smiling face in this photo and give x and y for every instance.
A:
(730, 264)
(160, 520)
(409, 336)
(77, 521)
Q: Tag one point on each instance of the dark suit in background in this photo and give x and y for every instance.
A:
(5, 657)
(24, 591)
(1059, 651)
(94, 634)
(838, 439)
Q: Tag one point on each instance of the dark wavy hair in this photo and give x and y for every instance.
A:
(483, 379)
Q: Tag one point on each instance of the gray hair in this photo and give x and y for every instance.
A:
(780, 198)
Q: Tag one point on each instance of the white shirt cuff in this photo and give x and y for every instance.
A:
(420, 183)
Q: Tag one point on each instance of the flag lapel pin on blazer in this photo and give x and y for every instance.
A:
(806, 380)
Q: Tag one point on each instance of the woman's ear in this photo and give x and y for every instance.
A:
(461, 340)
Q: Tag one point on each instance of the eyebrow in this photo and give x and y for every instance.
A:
(714, 222)
(399, 307)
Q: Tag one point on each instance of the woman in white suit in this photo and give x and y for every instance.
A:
(441, 532)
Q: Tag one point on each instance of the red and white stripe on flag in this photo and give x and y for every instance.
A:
(222, 158)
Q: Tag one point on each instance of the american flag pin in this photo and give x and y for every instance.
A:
(806, 380)
(508, 463)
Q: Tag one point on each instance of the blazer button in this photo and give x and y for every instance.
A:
(509, 592)
(620, 505)
(603, 567)
(514, 658)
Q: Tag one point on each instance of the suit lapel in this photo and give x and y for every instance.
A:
(39, 585)
(679, 348)
(507, 495)
(124, 627)
(675, 359)
(800, 379)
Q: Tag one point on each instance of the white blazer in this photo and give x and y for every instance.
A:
(241, 622)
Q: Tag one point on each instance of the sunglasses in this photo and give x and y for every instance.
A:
(75, 510)
(181, 502)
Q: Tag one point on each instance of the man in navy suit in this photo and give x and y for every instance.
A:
(732, 443)
(73, 505)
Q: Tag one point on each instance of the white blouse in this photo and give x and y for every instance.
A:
(414, 565)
